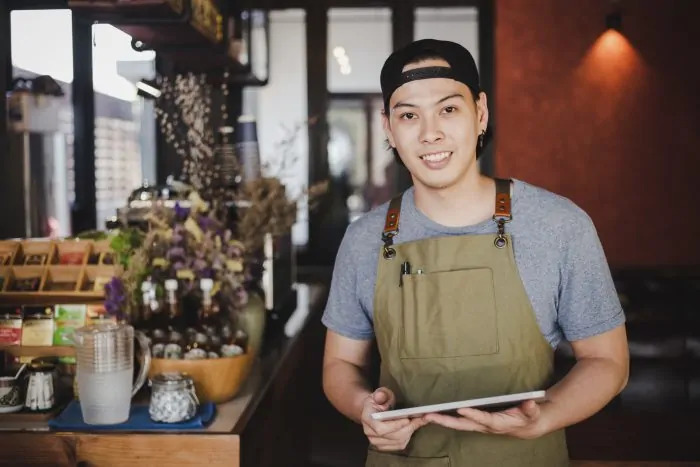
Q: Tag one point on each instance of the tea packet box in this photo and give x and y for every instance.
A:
(37, 328)
(10, 326)
(10, 331)
(67, 318)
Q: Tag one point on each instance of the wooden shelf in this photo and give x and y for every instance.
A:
(39, 350)
(50, 298)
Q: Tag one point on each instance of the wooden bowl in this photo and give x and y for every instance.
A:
(217, 379)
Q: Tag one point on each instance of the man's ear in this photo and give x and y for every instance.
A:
(387, 129)
(482, 111)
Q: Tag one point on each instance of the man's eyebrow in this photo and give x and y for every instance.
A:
(413, 106)
(449, 97)
(403, 104)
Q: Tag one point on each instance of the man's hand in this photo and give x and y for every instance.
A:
(390, 435)
(522, 422)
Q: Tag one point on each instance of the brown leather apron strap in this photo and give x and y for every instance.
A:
(502, 211)
(391, 226)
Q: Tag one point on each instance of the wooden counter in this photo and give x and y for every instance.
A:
(266, 424)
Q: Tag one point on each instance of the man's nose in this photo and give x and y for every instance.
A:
(430, 130)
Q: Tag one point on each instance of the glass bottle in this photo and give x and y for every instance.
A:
(214, 350)
(143, 321)
(159, 313)
(175, 347)
(198, 347)
(208, 317)
(175, 316)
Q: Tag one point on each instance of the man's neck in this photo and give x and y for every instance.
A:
(468, 202)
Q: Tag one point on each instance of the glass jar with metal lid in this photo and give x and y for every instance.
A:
(173, 398)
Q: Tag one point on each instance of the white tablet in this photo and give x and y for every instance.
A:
(496, 401)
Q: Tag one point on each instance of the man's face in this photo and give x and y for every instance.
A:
(434, 124)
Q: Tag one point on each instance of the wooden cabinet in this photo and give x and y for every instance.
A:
(266, 424)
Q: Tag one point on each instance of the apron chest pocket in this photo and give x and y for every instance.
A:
(449, 314)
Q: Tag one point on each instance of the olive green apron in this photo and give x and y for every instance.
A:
(459, 325)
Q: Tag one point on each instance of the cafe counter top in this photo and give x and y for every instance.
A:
(267, 423)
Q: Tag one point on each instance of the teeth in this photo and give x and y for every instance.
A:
(435, 157)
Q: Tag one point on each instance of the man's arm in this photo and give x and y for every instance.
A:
(345, 366)
(600, 373)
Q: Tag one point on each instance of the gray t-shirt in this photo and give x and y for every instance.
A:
(557, 252)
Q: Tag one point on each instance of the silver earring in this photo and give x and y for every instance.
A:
(481, 138)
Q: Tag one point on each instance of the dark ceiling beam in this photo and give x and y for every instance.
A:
(37, 4)
(309, 4)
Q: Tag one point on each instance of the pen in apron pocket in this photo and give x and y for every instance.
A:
(405, 269)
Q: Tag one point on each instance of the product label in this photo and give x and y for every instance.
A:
(37, 332)
(68, 318)
(10, 331)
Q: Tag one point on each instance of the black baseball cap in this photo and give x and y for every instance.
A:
(462, 66)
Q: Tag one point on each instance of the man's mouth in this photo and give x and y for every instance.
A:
(436, 156)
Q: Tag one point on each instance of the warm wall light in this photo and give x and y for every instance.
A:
(614, 21)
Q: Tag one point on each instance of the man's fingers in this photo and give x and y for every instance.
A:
(419, 422)
(456, 423)
(407, 431)
(477, 416)
(530, 409)
(380, 428)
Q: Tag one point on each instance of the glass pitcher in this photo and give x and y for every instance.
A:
(105, 366)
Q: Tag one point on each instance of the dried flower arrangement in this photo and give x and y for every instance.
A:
(208, 240)
(184, 116)
(187, 243)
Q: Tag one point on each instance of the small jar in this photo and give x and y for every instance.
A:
(173, 398)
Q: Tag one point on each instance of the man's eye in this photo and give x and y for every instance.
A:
(408, 116)
(449, 109)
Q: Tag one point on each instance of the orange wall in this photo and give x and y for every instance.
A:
(611, 121)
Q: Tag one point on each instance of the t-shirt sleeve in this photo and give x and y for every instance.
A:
(588, 302)
(344, 314)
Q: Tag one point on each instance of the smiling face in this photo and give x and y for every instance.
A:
(434, 124)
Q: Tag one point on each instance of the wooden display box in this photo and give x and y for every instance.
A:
(65, 271)
(71, 252)
(8, 250)
(95, 278)
(62, 279)
(4, 274)
(101, 254)
(20, 278)
(34, 253)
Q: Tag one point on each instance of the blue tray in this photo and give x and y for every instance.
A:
(71, 418)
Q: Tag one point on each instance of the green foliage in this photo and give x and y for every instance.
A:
(125, 243)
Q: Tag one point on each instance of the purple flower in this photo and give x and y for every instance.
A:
(115, 298)
(176, 252)
(205, 222)
(206, 273)
(199, 264)
(181, 213)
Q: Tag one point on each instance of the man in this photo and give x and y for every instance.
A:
(468, 284)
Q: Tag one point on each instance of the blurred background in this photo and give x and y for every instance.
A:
(594, 100)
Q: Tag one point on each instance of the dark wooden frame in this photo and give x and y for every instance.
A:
(403, 17)
(84, 215)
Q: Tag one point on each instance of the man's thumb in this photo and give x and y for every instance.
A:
(381, 396)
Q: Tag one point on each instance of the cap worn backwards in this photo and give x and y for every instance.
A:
(461, 68)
